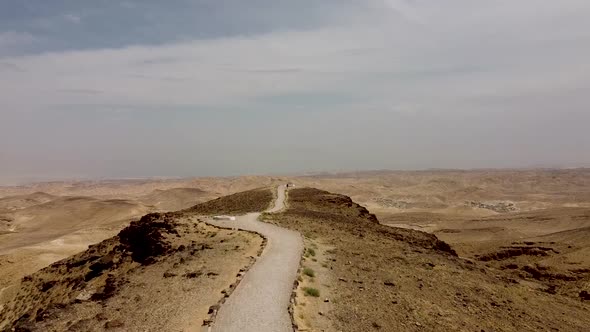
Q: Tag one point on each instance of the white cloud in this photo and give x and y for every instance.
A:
(76, 19)
(388, 62)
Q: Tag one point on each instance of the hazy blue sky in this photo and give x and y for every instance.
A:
(226, 87)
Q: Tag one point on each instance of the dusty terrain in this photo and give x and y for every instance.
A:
(43, 223)
(161, 273)
(522, 240)
(396, 279)
(531, 223)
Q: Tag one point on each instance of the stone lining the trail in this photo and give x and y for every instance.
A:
(214, 309)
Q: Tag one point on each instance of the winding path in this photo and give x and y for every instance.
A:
(260, 302)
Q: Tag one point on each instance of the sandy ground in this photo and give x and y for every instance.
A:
(261, 300)
(309, 311)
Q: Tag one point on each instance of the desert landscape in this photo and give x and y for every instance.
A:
(294, 166)
(493, 250)
(531, 222)
(45, 222)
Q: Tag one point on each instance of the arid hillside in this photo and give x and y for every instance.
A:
(163, 272)
(38, 228)
(359, 275)
(493, 250)
(530, 223)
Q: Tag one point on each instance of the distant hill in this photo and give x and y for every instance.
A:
(175, 199)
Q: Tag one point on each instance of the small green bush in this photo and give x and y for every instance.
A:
(310, 252)
(311, 292)
(308, 272)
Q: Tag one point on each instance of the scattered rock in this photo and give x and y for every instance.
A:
(169, 274)
(585, 296)
(113, 324)
(85, 295)
(500, 207)
(192, 275)
(100, 316)
(389, 283)
(552, 289)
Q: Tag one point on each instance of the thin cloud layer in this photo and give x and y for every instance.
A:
(378, 84)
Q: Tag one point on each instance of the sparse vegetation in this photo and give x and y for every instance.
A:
(310, 252)
(420, 273)
(310, 291)
(309, 272)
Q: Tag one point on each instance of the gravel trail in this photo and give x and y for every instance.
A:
(260, 302)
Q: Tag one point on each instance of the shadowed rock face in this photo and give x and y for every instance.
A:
(102, 268)
(145, 238)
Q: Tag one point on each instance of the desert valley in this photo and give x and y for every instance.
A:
(482, 250)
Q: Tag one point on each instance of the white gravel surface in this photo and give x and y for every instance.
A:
(260, 302)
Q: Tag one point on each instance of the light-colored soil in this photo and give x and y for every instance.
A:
(135, 189)
(310, 311)
(175, 199)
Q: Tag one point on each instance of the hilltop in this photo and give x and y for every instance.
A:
(376, 277)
